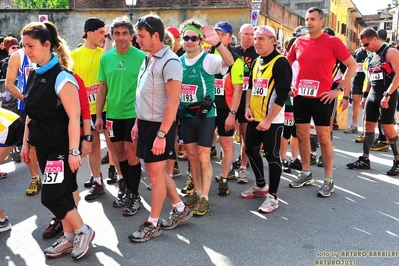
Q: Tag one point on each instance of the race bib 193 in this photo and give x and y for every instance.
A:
(219, 89)
(260, 86)
(188, 93)
(308, 87)
(54, 172)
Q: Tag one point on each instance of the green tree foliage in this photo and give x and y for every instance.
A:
(37, 4)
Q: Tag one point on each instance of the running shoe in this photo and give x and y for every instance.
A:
(122, 189)
(351, 130)
(118, 203)
(302, 180)
(89, 183)
(223, 189)
(320, 162)
(189, 188)
(361, 163)
(190, 200)
(105, 159)
(176, 172)
(286, 166)
(380, 145)
(59, 247)
(81, 243)
(6, 225)
(176, 218)
(230, 176)
(313, 159)
(54, 228)
(202, 207)
(297, 164)
(394, 171)
(3, 175)
(242, 176)
(254, 191)
(360, 139)
(214, 153)
(112, 176)
(95, 191)
(145, 232)
(326, 189)
(34, 187)
(269, 205)
(132, 205)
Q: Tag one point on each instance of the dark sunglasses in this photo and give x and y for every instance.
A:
(366, 44)
(191, 38)
(144, 22)
(14, 47)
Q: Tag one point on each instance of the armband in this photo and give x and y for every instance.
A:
(365, 94)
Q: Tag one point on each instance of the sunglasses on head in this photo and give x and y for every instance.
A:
(144, 22)
(14, 47)
(191, 38)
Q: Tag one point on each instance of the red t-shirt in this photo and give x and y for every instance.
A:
(316, 58)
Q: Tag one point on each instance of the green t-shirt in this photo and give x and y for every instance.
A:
(120, 72)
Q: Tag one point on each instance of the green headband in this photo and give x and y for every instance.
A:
(194, 28)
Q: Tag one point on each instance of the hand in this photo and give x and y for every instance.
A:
(363, 102)
(343, 104)
(230, 122)
(384, 102)
(86, 148)
(74, 162)
(210, 35)
(248, 115)
(158, 147)
(263, 126)
(25, 154)
(134, 133)
(293, 92)
(329, 96)
(99, 125)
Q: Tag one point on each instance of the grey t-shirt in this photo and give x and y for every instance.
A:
(155, 72)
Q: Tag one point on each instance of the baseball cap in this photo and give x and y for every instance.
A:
(266, 30)
(224, 26)
(93, 24)
(175, 32)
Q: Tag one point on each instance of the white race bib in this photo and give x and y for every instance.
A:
(218, 87)
(260, 86)
(54, 172)
(188, 93)
(376, 76)
(308, 87)
(359, 67)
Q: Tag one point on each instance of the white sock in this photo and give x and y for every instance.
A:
(179, 206)
(69, 236)
(83, 229)
(119, 177)
(198, 192)
(154, 221)
(97, 179)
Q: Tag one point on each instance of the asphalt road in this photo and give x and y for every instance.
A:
(357, 225)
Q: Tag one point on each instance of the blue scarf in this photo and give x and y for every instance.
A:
(50, 64)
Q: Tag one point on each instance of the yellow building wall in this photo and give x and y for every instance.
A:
(342, 16)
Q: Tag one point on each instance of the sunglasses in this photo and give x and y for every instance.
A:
(14, 47)
(366, 44)
(144, 22)
(191, 38)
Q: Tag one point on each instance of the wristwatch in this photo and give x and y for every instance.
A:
(234, 112)
(108, 35)
(346, 98)
(161, 134)
(74, 152)
(386, 94)
(88, 138)
(339, 88)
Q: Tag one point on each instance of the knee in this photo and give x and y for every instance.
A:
(252, 151)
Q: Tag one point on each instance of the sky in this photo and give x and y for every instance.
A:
(368, 7)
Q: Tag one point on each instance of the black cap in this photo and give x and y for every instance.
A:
(93, 24)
